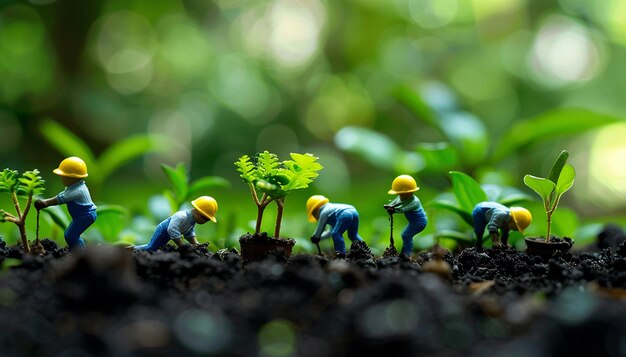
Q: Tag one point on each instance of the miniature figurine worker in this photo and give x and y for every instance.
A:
(339, 217)
(410, 205)
(77, 198)
(182, 223)
(496, 217)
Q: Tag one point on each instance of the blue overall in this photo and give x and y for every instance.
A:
(493, 216)
(82, 210)
(341, 218)
(416, 217)
(82, 217)
(159, 238)
(417, 222)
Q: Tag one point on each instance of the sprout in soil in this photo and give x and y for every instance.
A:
(551, 189)
(26, 185)
(274, 180)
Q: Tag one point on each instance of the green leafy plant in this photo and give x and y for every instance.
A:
(468, 193)
(550, 189)
(182, 189)
(111, 160)
(273, 180)
(26, 185)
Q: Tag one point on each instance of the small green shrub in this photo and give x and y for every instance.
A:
(551, 189)
(26, 185)
(273, 180)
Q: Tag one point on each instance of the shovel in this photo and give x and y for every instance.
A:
(37, 246)
(391, 251)
(319, 250)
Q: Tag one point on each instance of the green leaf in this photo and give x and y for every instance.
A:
(566, 179)
(466, 190)
(9, 263)
(456, 236)
(549, 125)
(373, 147)
(127, 150)
(111, 221)
(58, 216)
(266, 164)
(178, 180)
(31, 184)
(9, 180)
(466, 216)
(439, 157)
(514, 199)
(301, 170)
(67, 143)
(557, 167)
(246, 168)
(207, 183)
(414, 102)
(542, 186)
(468, 134)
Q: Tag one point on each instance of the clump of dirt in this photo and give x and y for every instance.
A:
(359, 251)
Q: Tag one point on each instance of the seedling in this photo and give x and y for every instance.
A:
(274, 180)
(26, 185)
(551, 189)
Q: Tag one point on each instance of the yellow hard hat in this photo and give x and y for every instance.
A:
(521, 217)
(403, 184)
(313, 203)
(72, 167)
(207, 206)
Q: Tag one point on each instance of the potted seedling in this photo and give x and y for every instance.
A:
(26, 185)
(270, 181)
(551, 189)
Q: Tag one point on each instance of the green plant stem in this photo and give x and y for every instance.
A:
(16, 203)
(260, 210)
(279, 216)
(549, 211)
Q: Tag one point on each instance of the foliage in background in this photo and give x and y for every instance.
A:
(26, 185)
(275, 180)
(468, 193)
(182, 189)
(112, 159)
(550, 189)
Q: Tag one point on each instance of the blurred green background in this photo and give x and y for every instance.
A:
(493, 88)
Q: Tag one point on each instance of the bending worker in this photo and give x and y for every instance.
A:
(340, 217)
(182, 223)
(410, 205)
(497, 217)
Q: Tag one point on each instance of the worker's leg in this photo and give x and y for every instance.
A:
(417, 222)
(159, 238)
(353, 227)
(344, 220)
(77, 227)
(479, 227)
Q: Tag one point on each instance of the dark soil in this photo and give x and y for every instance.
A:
(191, 301)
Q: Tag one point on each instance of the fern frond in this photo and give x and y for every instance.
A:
(8, 180)
(31, 184)
(246, 168)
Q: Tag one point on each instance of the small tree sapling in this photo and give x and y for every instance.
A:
(551, 189)
(26, 185)
(273, 180)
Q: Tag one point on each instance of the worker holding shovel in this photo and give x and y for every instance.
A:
(410, 205)
(340, 217)
(73, 172)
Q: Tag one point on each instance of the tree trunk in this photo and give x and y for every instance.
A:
(279, 216)
(259, 218)
(22, 228)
